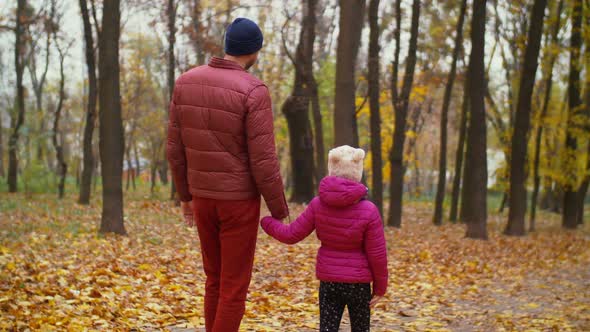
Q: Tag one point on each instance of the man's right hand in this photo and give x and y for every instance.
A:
(188, 212)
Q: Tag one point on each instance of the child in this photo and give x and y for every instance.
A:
(352, 252)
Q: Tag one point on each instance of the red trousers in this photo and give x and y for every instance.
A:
(228, 232)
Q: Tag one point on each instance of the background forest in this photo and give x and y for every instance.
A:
(471, 112)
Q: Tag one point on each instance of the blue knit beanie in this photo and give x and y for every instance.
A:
(243, 37)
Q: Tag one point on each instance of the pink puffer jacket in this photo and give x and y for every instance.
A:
(349, 227)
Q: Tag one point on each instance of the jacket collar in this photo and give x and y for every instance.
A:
(218, 62)
(341, 192)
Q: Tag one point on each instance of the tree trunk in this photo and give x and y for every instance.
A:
(476, 172)
(517, 196)
(111, 125)
(196, 35)
(318, 134)
(153, 178)
(547, 98)
(18, 119)
(128, 177)
(136, 157)
(374, 94)
(78, 175)
(395, 65)
(570, 199)
(582, 194)
(396, 155)
(503, 202)
(552, 198)
(38, 85)
(2, 172)
(460, 154)
(397, 37)
(442, 161)
(130, 169)
(96, 171)
(163, 172)
(171, 13)
(88, 153)
(62, 166)
(296, 110)
(586, 180)
(349, 39)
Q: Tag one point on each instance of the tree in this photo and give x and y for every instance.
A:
(2, 171)
(552, 57)
(18, 119)
(296, 109)
(111, 126)
(324, 33)
(400, 105)
(318, 128)
(38, 80)
(476, 172)
(62, 166)
(522, 123)
(142, 91)
(508, 30)
(195, 32)
(171, 10)
(442, 161)
(586, 180)
(87, 151)
(570, 198)
(374, 92)
(349, 38)
(460, 153)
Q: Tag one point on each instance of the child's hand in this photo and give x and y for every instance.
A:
(375, 300)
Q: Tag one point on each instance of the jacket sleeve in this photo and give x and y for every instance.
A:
(176, 154)
(293, 232)
(376, 251)
(264, 163)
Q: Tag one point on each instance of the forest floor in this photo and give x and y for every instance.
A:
(56, 272)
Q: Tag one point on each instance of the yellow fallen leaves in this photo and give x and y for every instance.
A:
(57, 273)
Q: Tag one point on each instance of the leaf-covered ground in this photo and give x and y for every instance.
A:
(57, 273)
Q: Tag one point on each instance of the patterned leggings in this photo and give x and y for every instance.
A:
(334, 296)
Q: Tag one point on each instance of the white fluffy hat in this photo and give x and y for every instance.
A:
(346, 162)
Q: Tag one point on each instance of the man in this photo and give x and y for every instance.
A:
(222, 156)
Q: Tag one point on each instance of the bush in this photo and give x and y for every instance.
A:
(36, 178)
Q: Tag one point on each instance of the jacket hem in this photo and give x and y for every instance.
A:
(224, 196)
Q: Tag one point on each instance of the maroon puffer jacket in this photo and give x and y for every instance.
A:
(221, 138)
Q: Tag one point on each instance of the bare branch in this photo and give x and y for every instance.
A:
(6, 27)
(289, 17)
(95, 18)
(360, 107)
